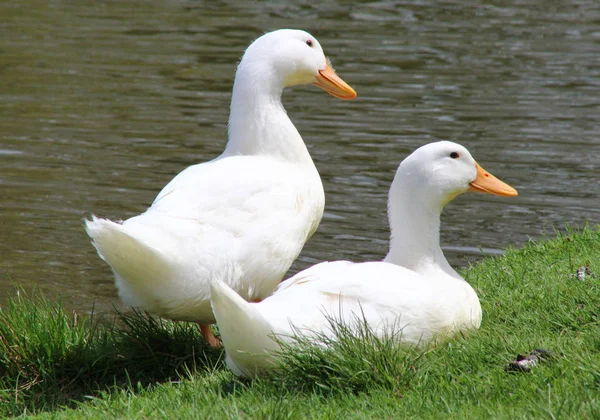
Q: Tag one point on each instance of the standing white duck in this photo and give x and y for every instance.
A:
(414, 290)
(241, 218)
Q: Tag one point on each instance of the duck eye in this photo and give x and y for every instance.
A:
(309, 42)
(454, 155)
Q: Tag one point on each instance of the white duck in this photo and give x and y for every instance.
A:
(243, 217)
(414, 290)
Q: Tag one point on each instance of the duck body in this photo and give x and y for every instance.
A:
(413, 295)
(390, 297)
(165, 258)
(393, 301)
(241, 218)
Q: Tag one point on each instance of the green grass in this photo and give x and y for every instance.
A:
(54, 364)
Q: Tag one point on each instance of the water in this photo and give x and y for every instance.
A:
(102, 103)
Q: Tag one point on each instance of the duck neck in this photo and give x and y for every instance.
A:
(258, 122)
(415, 231)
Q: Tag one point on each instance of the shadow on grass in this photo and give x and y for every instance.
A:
(51, 358)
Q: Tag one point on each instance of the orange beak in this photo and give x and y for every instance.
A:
(333, 84)
(488, 183)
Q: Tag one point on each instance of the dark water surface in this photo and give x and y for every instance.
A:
(102, 103)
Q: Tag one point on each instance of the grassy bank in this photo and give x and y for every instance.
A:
(55, 364)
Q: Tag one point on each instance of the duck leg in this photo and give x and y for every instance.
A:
(210, 338)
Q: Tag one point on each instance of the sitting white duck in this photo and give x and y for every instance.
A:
(413, 293)
(243, 217)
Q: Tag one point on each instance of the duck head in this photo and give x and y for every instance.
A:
(444, 169)
(290, 57)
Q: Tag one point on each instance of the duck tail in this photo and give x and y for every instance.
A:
(245, 332)
(134, 262)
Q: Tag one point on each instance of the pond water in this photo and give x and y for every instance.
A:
(102, 103)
